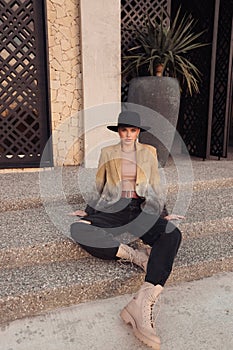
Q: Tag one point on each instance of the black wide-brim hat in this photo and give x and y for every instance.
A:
(128, 119)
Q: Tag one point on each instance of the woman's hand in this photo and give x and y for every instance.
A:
(174, 217)
(78, 213)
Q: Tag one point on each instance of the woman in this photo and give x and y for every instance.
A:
(129, 200)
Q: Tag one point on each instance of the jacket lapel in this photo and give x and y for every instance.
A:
(139, 157)
(116, 158)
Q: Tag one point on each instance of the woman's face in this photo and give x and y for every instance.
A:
(128, 135)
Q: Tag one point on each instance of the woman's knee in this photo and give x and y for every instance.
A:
(73, 228)
(178, 234)
(102, 253)
(77, 228)
(177, 237)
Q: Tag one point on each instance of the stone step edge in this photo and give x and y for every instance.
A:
(36, 201)
(31, 304)
(200, 185)
(67, 250)
(44, 253)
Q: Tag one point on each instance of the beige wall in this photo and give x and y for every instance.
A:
(101, 62)
(84, 60)
(65, 77)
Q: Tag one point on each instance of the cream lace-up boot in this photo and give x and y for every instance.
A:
(135, 256)
(139, 313)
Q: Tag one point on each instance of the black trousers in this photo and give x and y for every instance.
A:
(101, 238)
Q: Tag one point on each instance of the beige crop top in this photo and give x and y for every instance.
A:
(128, 170)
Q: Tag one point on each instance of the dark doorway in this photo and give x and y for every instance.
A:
(204, 118)
(231, 117)
(204, 122)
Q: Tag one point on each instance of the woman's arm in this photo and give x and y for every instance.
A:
(100, 182)
(101, 172)
(154, 200)
(164, 213)
(154, 176)
(155, 184)
(78, 213)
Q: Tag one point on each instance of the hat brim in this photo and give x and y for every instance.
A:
(115, 127)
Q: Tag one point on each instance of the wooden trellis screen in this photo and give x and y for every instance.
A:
(133, 13)
(204, 118)
(24, 111)
(222, 77)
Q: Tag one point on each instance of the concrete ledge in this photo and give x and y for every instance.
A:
(192, 315)
(41, 254)
(42, 269)
(29, 237)
(32, 290)
(22, 190)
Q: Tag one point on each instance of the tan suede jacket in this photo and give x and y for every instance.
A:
(108, 178)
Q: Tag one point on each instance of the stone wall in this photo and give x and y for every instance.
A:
(65, 79)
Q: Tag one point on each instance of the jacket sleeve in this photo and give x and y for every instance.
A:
(100, 182)
(101, 173)
(155, 181)
(154, 176)
(154, 202)
(164, 212)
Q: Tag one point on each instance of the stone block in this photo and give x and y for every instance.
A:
(52, 16)
(65, 44)
(53, 94)
(58, 2)
(57, 107)
(61, 97)
(59, 12)
(57, 52)
(56, 64)
(55, 84)
(64, 77)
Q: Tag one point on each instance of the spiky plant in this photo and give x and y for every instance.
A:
(168, 45)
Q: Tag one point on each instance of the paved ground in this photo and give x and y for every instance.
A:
(193, 315)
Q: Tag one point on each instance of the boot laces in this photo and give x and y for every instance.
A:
(131, 258)
(128, 259)
(149, 309)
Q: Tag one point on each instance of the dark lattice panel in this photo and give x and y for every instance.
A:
(23, 109)
(133, 13)
(218, 133)
(193, 117)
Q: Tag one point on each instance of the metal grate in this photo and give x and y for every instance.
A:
(203, 117)
(132, 14)
(193, 116)
(24, 115)
(221, 87)
(202, 136)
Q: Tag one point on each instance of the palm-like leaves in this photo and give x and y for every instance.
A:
(159, 44)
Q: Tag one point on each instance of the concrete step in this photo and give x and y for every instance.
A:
(206, 204)
(36, 289)
(31, 189)
(41, 268)
(192, 315)
(29, 237)
(25, 190)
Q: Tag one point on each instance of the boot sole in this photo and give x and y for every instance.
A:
(128, 319)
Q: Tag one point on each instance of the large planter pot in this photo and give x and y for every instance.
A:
(162, 95)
